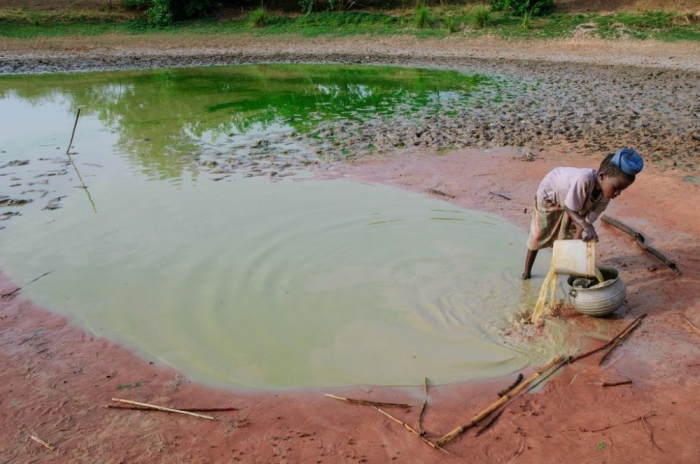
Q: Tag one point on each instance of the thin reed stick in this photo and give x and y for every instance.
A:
(161, 408)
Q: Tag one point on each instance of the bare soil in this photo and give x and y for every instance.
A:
(55, 380)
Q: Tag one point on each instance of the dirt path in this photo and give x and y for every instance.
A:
(56, 380)
(159, 50)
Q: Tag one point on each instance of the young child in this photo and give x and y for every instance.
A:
(569, 200)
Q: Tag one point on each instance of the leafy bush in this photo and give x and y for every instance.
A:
(161, 13)
(258, 18)
(307, 6)
(139, 5)
(526, 24)
(422, 16)
(451, 24)
(520, 7)
(482, 17)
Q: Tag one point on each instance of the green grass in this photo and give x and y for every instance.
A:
(258, 18)
(423, 17)
(420, 22)
(482, 17)
(451, 24)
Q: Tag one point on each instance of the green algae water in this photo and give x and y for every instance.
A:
(242, 281)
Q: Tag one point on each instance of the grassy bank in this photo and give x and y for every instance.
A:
(421, 22)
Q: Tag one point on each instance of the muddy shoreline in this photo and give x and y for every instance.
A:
(635, 94)
(56, 379)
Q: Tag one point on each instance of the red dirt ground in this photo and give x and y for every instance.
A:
(55, 380)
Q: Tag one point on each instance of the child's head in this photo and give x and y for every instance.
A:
(618, 171)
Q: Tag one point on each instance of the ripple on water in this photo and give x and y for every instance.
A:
(285, 285)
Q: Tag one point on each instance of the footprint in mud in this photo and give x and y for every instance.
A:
(7, 201)
(15, 163)
(54, 203)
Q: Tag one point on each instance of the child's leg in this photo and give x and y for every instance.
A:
(529, 261)
(545, 227)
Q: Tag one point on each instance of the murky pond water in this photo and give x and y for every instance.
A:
(239, 280)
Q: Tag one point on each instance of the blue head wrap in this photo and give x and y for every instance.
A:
(628, 160)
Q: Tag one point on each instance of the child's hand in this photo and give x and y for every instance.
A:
(589, 233)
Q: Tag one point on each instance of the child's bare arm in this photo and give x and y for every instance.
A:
(587, 231)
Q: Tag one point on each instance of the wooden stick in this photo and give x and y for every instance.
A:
(370, 403)
(425, 385)
(650, 432)
(500, 195)
(4, 295)
(439, 192)
(512, 386)
(420, 418)
(82, 183)
(75, 125)
(627, 329)
(558, 361)
(161, 408)
(639, 240)
(412, 430)
(140, 408)
(42, 442)
(620, 338)
(690, 323)
(616, 384)
(645, 416)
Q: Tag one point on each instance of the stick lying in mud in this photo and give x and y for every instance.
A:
(617, 384)
(161, 408)
(373, 404)
(556, 363)
(500, 195)
(439, 192)
(512, 386)
(422, 407)
(20, 288)
(619, 337)
(650, 432)
(690, 323)
(645, 416)
(421, 432)
(42, 442)
(412, 430)
(141, 408)
(70, 144)
(639, 240)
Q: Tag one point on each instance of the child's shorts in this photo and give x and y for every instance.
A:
(549, 222)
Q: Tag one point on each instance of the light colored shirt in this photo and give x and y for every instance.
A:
(572, 188)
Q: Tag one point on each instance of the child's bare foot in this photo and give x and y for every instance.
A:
(526, 276)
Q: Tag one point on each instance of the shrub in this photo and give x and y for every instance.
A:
(520, 7)
(451, 24)
(526, 24)
(307, 6)
(482, 17)
(258, 18)
(139, 5)
(161, 13)
(422, 16)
